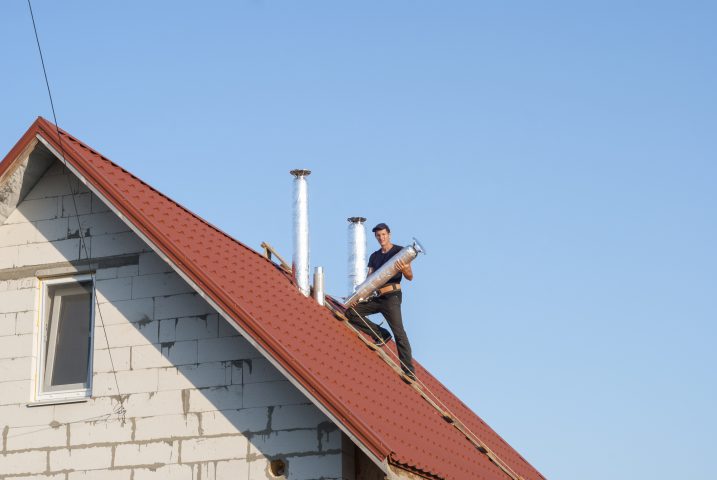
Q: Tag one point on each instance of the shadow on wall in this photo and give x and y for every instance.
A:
(176, 391)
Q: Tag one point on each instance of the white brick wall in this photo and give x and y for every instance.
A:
(19, 415)
(99, 224)
(34, 210)
(113, 359)
(174, 472)
(195, 376)
(126, 334)
(82, 203)
(8, 257)
(150, 453)
(159, 403)
(17, 368)
(25, 322)
(91, 458)
(167, 426)
(225, 348)
(98, 409)
(116, 244)
(197, 397)
(16, 346)
(159, 284)
(215, 398)
(304, 468)
(7, 323)
(176, 306)
(125, 474)
(122, 312)
(246, 420)
(113, 289)
(17, 300)
(291, 441)
(289, 417)
(214, 448)
(231, 469)
(51, 252)
(149, 356)
(43, 436)
(128, 381)
(55, 185)
(23, 462)
(271, 393)
(189, 328)
(101, 431)
(151, 263)
(254, 371)
(14, 392)
(42, 476)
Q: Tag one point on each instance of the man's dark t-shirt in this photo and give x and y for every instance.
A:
(378, 258)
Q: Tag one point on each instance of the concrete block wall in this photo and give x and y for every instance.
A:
(176, 393)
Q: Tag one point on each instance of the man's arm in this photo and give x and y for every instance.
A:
(405, 269)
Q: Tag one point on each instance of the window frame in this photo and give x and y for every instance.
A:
(71, 393)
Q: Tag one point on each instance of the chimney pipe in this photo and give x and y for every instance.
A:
(319, 285)
(357, 252)
(300, 258)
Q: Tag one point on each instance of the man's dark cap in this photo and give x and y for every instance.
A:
(381, 226)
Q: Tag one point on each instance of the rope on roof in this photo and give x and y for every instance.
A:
(434, 402)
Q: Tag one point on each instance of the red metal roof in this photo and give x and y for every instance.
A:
(385, 414)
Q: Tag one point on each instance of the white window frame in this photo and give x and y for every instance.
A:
(74, 393)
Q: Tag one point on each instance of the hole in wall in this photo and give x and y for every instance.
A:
(277, 467)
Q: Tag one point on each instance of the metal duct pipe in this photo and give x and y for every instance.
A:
(378, 278)
(357, 252)
(319, 286)
(300, 258)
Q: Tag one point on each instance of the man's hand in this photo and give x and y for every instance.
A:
(405, 269)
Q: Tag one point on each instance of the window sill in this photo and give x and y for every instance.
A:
(57, 401)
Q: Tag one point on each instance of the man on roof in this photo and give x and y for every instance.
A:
(387, 301)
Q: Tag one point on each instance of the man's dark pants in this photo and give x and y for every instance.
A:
(389, 306)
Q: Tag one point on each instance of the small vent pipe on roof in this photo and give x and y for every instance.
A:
(319, 285)
(379, 278)
(357, 252)
(300, 258)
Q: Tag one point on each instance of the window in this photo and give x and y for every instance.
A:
(65, 360)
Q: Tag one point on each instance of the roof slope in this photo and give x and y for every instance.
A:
(359, 389)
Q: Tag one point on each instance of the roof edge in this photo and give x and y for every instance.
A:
(362, 435)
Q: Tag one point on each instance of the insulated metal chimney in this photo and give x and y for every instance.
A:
(300, 258)
(357, 253)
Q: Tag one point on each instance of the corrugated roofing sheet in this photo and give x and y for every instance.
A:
(388, 416)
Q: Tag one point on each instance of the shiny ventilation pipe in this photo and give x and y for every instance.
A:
(300, 258)
(379, 278)
(319, 285)
(357, 252)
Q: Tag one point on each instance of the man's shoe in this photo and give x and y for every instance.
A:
(409, 376)
(380, 342)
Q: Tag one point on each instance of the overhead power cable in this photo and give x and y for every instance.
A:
(119, 410)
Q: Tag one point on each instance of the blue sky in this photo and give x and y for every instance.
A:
(557, 159)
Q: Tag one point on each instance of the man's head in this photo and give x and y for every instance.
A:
(382, 234)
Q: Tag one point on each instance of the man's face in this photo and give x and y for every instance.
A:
(383, 237)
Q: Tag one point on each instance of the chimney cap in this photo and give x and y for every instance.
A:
(356, 219)
(300, 172)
